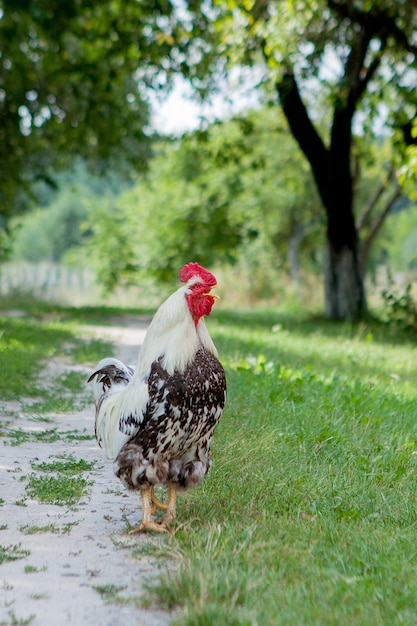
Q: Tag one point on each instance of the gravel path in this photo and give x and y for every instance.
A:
(67, 565)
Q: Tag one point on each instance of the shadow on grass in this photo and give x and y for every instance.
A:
(25, 346)
(307, 325)
(255, 319)
(367, 352)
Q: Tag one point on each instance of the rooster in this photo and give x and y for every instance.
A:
(156, 421)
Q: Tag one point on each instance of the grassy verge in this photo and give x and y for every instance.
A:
(309, 515)
(28, 343)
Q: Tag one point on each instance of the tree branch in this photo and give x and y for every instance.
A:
(303, 129)
(370, 72)
(373, 200)
(376, 226)
(407, 130)
(376, 22)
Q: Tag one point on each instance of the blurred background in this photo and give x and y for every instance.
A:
(273, 141)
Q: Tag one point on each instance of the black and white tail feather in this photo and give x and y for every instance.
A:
(110, 377)
(110, 374)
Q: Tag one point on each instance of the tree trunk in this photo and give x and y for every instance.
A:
(343, 284)
(343, 272)
(343, 279)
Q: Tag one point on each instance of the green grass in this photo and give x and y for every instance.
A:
(58, 481)
(13, 620)
(64, 487)
(60, 490)
(309, 515)
(32, 569)
(49, 528)
(27, 342)
(65, 465)
(12, 553)
(111, 593)
(15, 437)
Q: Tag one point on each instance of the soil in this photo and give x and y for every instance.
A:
(73, 565)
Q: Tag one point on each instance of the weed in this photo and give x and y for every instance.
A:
(76, 435)
(12, 553)
(41, 418)
(71, 381)
(18, 621)
(113, 490)
(32, 569)
(60, 490)
(110, 593)
(46, 436)
(308, 515)
(400, 308)
(69, 466)
(40, 596)
(18, 437)
(89, 351)
(49, 528)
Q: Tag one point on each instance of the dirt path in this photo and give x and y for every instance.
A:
(72, 565)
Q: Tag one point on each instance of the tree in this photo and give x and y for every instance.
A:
(212, 196)
(56, 225)
(344, 62)
(73, 79)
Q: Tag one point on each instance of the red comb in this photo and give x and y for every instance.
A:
(194, 269)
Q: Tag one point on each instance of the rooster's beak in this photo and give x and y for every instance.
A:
(213, 295)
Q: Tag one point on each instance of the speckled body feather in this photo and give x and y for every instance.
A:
(173, 442)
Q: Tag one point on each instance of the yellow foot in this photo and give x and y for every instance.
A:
(149, 526)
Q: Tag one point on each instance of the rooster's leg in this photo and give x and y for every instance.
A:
(171, 506)
(156, 502)
(147, 522)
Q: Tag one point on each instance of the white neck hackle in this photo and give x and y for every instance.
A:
(174, 336)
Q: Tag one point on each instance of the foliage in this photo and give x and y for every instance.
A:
(316, 40)
(337, 69)
(399, 240)
(56, 226)
(220, 196)
(54, 229)
(400, 307)
(71, 78)
(408, 171)
(74, 79)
